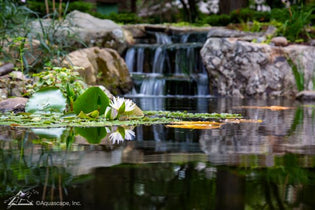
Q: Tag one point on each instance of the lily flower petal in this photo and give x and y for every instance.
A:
(129, 105)
(116, 103)
(129, 134)
(116, 137)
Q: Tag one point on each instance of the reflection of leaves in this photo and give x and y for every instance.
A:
(298, 118)
(92, 99)
(49, 133)
(93, 135)
(46, 100)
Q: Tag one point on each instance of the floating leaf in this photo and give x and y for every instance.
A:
(46, 100)
(242, 121)
(92, 99)
(92, 135)
(272, 108)
(195, 125)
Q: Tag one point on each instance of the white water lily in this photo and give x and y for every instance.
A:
(110, 113)
(129, 134)
(122, 105)
(129, 105)
(116, 137)
(116, 103)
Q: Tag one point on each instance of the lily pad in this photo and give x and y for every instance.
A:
(92, 99)
(46, 100)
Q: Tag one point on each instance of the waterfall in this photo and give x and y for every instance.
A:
(140, 59)
(153, 86)
(162, 38)
(158, 62)
(184, 38)
(130, 58)
(172, 66)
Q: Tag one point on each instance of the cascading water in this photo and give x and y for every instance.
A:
(170, 67)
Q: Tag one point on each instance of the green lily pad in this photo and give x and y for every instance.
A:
(46, 100)
(92, 135)
(92, 99)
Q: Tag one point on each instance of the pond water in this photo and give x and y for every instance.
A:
(247, 165)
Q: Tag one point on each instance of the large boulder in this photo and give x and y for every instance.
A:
(240, 68)
(102, 67)
(81, 27)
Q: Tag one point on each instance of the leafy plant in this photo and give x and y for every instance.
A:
(295, 27)
(66, 79)
(298, 74)
(92, 99)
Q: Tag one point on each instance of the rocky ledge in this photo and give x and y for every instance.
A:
(239, 67)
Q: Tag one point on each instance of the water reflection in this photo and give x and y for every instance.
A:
(268, 165)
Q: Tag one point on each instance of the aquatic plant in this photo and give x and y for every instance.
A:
(46, 100)
(92, 99)
(119, 107)
(66, 79)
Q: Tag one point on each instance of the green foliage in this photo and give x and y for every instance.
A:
(66, 79)
(92, 99)
(298, 74)
(31, 49)
(13, 30)
(46, 100)
(244, 15)
(39, 6)
(295, 27)
(218, 20)
(52, 48)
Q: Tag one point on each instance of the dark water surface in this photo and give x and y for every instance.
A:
(267, 165)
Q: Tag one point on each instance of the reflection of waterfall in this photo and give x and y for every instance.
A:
(175, 59)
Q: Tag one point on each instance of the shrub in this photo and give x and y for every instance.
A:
(39, 6)
(217, 20)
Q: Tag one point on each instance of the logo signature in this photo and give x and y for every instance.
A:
(21, 199)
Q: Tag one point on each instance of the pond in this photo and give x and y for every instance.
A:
(265, 163)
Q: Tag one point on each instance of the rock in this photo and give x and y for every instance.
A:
(91, 30)
(221, 32)
(312, 42)
(279, 41)
(13, 104)
(13, 84)
(102, 67)
(239, 68)
(306, 95)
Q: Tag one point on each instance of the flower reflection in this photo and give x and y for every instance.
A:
(119, 134)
